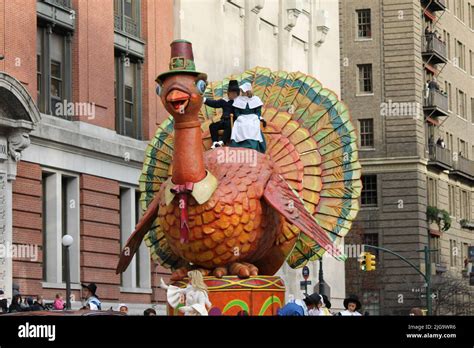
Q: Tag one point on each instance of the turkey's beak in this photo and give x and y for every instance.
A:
(179, 100)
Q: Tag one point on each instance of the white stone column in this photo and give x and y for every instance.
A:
(53, 228)
(6, 235)
(289, 12)
(127, 225)
(251, 34)
(73, 228)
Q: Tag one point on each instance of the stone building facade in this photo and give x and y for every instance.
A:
(416, 144)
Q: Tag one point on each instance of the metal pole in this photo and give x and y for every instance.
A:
(426, 275)
(68, 280)
(321, 279)
(399, 256)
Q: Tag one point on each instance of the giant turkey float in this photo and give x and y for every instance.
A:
(235, 220)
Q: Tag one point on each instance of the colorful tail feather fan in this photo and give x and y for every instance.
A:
(309, 136)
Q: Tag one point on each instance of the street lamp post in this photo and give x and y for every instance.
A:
(321, 278)
(67, 242)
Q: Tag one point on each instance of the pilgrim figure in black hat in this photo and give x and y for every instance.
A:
(352, 305)
(300, 307)
(92, 301)
(225, 104)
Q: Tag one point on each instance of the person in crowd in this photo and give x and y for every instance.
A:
(440, 142)
(224, 124)
(433, 84)
(15, 306)
(92, 301)
(123, 308)
(300, 307)
(58, 303)
(243, 313)
(150, 312)
(352, 305)
(322, 308)
(3, 302)
(248, 115)
(38, 304)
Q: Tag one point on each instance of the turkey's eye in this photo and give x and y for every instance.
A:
(158, 90)
(201, 86)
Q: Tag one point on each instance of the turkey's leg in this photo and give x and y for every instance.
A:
(219, 272)
(243, 269)
(182, 272)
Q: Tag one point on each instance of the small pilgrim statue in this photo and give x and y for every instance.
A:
(248, 115)
(194, 296)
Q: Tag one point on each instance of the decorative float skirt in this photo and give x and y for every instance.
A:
(229, 295)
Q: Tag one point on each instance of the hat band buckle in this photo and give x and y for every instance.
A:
(181, 63)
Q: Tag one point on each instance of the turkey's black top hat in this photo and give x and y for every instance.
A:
(92, 287)
(181, 61)
(352, 299)
(233, 86)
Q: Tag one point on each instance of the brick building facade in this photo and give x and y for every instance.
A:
(89, 66)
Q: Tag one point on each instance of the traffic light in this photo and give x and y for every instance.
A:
(369, 262)
(362, 262)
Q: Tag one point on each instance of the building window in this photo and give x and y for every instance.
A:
(371, 239)
(127, 16)
(472, 113)
(448, 45)
(365, 78)
(471, 16)
(471, 63)
(459, 9)
(461, 103)
(364, 30)
(432, 192)
(369, 190)
(462, 146)
(434, 245)
(460, 55)
(39, 69)
(371, 302)
(60, 217)
(128, 96)
(450, 97)
(137, 275)
(53, 69)
(451, 200)
(465, 254)
(366, 133)
(465, 202)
